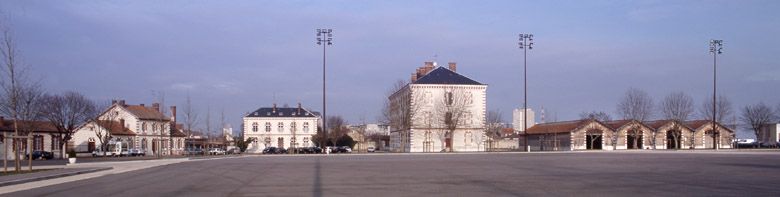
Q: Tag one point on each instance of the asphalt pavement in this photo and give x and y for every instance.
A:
(637, 173)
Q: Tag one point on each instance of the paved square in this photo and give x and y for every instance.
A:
(629, 173)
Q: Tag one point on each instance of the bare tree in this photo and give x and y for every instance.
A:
(337, 128)
(493, 127)
(677, 106)
(452, 112)
(66, 112)
(756, 117)
(724, 109)
(637, 105)
(105, 124)
(190, 117)
(399, 112)
(596, 115)
(21, 93)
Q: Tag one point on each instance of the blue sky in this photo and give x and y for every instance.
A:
(242, 55)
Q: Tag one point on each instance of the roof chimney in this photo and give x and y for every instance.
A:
(453, 66)
(299, 108)
(274, 109)
(156, 106)
(122, 103)
(113, 102)
(428, 64)
(414, 77)
(142, 104)
(173, 114)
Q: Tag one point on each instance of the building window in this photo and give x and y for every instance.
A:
(38, 142)
(292, 126)
(305, 141)
(267, 141)
(280, 127)
(448, 97)
(143, 126)
(55, 142)
(306, 127)
(267, 127)
(154, 127)
(254, 127)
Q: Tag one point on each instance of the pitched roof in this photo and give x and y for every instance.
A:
(114, 127)
(38, 126)
(443, 75)
(146, 113)
(556, 127)
(281, 112)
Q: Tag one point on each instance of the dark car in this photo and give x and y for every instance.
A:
(40, 155)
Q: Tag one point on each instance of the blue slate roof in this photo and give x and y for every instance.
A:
(281, 112)
(443, 75)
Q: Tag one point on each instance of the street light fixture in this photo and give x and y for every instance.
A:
(716, 48)
(526, 43)
(324, 38)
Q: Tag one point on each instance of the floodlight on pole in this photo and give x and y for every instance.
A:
(716, 48)
(324, 38)
(526, 42)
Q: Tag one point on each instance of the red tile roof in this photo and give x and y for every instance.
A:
(115, 128)
(38, 126)
(146, 113)
(556, 127)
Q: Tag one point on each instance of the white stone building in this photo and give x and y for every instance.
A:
(135, 126)
(439, 110)
(517, 119)
(283, 127)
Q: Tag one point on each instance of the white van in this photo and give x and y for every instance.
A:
(115, 149)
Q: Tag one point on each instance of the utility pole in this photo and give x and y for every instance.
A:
(324, 38)
(526, 43)
(716, 48)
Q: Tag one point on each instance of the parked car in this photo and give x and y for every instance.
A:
(270, 150)
(233, 151)
(216, 151)
(345, 149)
(371, 149)
(194, 151)
(40, 155)
(136, 152)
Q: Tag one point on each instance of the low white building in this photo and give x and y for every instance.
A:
(135, 126)
(282, 127)
(45, 137)
(439, 110)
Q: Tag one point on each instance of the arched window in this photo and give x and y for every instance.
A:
(267, 127)
(254, 127)
(143, 144)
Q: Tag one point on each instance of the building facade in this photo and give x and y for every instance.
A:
(134, 126)
(438, 111)
(592, 134)
(44, 137)
(283, 127)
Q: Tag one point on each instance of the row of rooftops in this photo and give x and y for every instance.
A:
(569, 126)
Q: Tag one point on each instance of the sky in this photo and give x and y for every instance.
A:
(237, 56)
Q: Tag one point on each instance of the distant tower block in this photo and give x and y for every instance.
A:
(517, 119)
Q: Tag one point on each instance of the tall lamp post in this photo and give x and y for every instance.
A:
(716, 48)
(324, 38)
(526, 43)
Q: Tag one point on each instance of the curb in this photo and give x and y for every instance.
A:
(39, 178)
